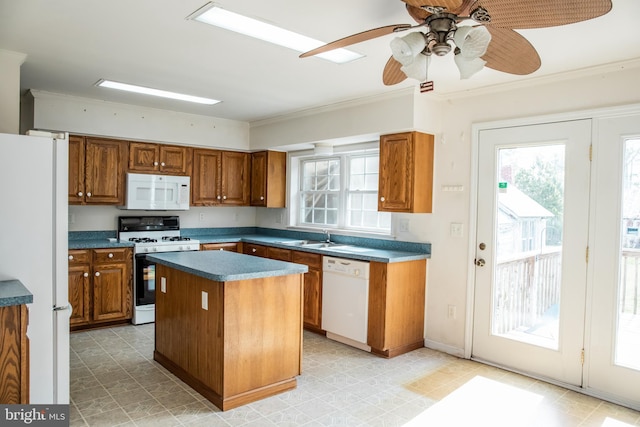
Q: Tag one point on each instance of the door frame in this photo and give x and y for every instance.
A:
(473, 204)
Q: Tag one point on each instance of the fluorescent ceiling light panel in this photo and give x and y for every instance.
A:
(214, 15)
(155, 92)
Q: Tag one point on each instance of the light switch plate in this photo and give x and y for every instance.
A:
(456, 230)
(163, 285)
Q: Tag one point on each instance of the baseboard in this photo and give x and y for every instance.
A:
(435, 345)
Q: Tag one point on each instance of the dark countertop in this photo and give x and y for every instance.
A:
(13, 292)
(221, 266)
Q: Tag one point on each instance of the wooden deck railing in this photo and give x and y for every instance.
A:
(526, 288)
(630, 273)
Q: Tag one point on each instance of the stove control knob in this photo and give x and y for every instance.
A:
(180, 248)
(154, 249)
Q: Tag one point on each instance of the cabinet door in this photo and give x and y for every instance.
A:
(175, 160)
(205, 183)
(312, 303)
(235, 178)
(111, 292)
(143, 157)
(279, 254)
(395, 179)
(79, 294)
(258, 190)
(76, 169)
(105, 171)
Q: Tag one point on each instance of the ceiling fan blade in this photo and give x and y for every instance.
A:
(450, 5)
(392, 73)
(510, 52)
(418, 14)
(520, 14)
(357, 38)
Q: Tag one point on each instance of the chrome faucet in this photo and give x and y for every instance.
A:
(327, 235)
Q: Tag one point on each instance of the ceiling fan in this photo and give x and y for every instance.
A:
(487, 38)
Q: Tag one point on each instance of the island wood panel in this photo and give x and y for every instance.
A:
(14, 355)
(245, 347)
(396, 307)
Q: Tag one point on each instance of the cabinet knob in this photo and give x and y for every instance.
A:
(88, 194)
(80, 194)
(97, 273)
(261, 197)
(70, 257)
(110, 255)
(382, 199)
(162, 164)
(224, 197)
(218, 197)
(222, 249)
(155, 163)
(86, 274)
(253, 249)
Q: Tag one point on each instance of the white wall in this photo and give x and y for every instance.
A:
(94, 117)
(10, 63)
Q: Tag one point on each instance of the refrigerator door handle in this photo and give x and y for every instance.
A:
(61, 307)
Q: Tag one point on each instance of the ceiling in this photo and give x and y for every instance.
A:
(71, 44)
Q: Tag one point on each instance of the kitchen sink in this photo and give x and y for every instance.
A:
(300, 242)
(320, 245)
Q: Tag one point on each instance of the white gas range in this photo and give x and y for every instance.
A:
(150, 234)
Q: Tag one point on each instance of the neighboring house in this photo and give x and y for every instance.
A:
(522, 222)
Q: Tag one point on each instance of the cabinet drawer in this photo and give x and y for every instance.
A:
(79, 256)
(309, 259)
(228, 246)
(257, 250)
(110, 255)
(279, 254)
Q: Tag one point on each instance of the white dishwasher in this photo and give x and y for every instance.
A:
(345, 300)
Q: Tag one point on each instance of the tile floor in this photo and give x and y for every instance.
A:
(114, 381)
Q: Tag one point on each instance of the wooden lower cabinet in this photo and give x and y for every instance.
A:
(312, 297)
(100, 286)
(226, 246)
(14, 355)
(253, 249)
(396, 307)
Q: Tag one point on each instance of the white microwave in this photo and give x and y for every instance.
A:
(157, 192)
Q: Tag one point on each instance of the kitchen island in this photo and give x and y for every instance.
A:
(228, 324)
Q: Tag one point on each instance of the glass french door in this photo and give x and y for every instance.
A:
(531, 244)
(612, 362)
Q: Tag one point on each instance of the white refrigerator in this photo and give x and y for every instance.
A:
(34, 250)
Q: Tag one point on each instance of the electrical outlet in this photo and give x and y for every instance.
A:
(452, 311)
(456, 230)
(403, 225)
(201, 216)
(163, 285)
(72, 218)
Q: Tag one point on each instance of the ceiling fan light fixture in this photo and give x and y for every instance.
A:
(406, 49)
(468, 67)
(418, 68)
(472, 41)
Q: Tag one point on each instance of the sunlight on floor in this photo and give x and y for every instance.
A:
(610, 422)
(485, 402)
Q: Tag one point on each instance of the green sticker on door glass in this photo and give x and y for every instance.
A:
(502, 187)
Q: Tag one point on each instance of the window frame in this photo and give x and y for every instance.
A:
(344, 154)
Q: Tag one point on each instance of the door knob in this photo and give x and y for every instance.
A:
(479, 262)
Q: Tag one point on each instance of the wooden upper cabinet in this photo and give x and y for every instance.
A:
(235, 178)
(268, 179)
(220, 178)
(97, 170)
(76, 169)
(205, 180)
(159, 158)
(406, 173)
